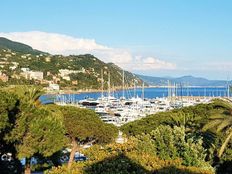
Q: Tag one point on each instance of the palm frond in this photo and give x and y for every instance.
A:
(223, 125)
(223, 104)
(217, 116)
(211, 124)
(228, 138)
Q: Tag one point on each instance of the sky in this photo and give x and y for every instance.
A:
(149, 37)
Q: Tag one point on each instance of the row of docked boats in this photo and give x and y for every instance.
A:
(119, 111)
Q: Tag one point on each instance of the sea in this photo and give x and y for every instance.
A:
(149, 93)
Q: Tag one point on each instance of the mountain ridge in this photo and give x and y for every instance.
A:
(17, 46)
(187, 80)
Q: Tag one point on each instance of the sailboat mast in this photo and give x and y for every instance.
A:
(204, 93)
(102, 83)
(228, 90)
(109, 84)
(123, 84)
(134, 89)
(176, 90)
(113, 90)
(143, 92)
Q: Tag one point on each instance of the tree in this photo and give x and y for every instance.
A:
(222, 122)
(83, 126)
(8, 104)
(8, 113)
(28, 94)
(172, 143)
(38, 129)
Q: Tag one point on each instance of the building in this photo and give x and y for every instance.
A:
(48, 59)
(36, 75)
(28, 74)
(25, 74)
(74, 82)
(65, 72)
(66, 78)
(25, 69)
(14, 66)
(3, 63)
(53, 87)
(3, 77)
(56, 79)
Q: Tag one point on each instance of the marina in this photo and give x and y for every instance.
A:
(123, 106)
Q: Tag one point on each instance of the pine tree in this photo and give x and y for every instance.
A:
(83, 126)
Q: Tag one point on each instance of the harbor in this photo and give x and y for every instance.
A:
(123, 106)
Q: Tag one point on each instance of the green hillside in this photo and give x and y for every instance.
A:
(16, 46)
(85, 69)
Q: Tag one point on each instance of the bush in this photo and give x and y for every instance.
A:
(125, 159)
(172, 143)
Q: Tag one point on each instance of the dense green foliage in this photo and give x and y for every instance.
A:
(8, 104)
(8, 112)
(207, 124)
(172, 143)
(30, 129)
(169, 142)
(222, 121)
(36, 130)
(127, 158)
(84, 126)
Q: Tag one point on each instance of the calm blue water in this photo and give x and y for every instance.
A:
(148, 93)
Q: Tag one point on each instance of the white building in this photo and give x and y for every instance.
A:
(65, 72)
(37, 75)
(14, 66)
(28, 74)
(66, 78)
(53, 87)
(25, 69)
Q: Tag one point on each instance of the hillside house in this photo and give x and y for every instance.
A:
(3, 77)
(28, 74)
(14, 66)
(53, 87)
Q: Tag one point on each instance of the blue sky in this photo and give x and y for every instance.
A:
(178, 37)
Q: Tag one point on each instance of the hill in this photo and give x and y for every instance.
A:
(22, 64)
(185, 80)
(16, 46)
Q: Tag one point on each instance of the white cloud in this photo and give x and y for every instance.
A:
(62, 44)
(151, 63)
(54, 43)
